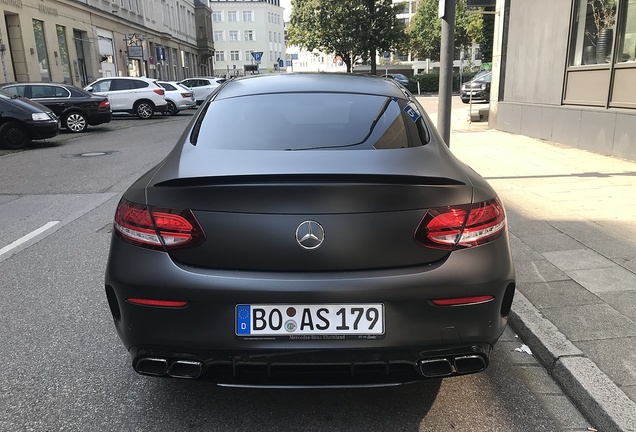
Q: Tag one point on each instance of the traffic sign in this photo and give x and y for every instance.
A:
(257, 55)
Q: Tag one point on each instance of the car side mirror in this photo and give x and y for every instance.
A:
(88, 89)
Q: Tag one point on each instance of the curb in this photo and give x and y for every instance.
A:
(600, 400)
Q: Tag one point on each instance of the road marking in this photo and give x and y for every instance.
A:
(28, 237)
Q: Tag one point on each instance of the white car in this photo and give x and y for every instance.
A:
(202, 86)
(178, 96)
(135, 95)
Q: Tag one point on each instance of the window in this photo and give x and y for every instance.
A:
(324, 120)
(594, 23)
(216, 16)
(233, 35)
(232, 16)
(248, 55)
(40, 44)
(64, 59)
(627, 41)
(218, 36)
(248, 35)
(219, 55)
(247, 16)
(235, 56)
(602, 54)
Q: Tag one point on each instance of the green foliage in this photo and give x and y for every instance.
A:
(349, 28)
(429, 83)
(425, 29)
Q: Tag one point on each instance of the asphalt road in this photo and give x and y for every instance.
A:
(64, 369)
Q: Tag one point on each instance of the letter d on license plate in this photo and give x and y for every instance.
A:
(310, 320)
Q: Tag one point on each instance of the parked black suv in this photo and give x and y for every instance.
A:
(22, 120)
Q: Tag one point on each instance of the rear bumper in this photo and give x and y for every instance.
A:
(100, 118)
(415, 329)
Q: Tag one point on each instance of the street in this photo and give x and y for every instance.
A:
(65, 368)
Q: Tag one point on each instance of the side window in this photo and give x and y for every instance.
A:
(18, 90)
(168, 87)
(102, 86)
(139, 84)
(41, 91)
(121, 84)
(61, 92)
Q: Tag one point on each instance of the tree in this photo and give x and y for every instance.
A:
(352, 29)
(425, 29)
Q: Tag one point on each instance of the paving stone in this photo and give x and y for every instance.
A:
(557, 294)
(590, 322)
(623, 301)
(556, 241)
(538, 271)
(578, 259)
(615, 357)
(605, 279)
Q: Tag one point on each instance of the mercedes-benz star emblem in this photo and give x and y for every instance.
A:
(310, 234)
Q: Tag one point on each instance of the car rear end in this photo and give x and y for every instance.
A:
(305, 266)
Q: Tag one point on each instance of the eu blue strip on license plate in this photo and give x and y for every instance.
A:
(310, 320)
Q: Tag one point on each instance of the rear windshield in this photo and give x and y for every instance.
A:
(307, 121)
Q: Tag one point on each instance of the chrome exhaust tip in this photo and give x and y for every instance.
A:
(435, 367)
(469, 364)
(151, 366)
(185, 369)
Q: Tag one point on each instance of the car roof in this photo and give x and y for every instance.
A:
(310, 82)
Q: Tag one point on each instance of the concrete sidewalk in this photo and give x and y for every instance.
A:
(572, 223)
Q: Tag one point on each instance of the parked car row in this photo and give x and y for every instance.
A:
(37, 110)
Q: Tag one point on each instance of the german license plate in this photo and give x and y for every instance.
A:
(333, 321)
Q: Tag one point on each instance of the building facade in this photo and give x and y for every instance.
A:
(77, 42)
(566, 72)
(244, 27)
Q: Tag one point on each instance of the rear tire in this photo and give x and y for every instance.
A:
(14, 136)
(75, 122)
(144, 109)
(171, 109)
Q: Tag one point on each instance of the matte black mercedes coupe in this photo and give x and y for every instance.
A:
(310, 230)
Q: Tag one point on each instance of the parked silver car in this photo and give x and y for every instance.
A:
(178, 96)
(202, 86)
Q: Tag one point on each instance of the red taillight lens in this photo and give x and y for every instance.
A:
(157, 228)
(104, 104)
(160, 92)
(459, 301)
(157, 303)
(186, 95)
(453, 227)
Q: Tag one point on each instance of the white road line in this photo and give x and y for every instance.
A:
(28, 237)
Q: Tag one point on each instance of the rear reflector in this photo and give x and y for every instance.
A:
(158, 303)
(462, 300)
(157, 228)
(463, 226)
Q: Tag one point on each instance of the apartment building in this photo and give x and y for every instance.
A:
(244, 27)
(77, 42)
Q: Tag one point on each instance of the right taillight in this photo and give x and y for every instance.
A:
(463, 226)
(157, 228)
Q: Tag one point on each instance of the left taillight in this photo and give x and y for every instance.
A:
(160, 92)
(157, 228)
(456, 227)
(104, 104)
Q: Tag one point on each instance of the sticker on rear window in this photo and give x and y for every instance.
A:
(412, 113)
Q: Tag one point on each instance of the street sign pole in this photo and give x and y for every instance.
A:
(447, 13)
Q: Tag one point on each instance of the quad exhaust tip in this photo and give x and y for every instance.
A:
(155, 366)
(443, 367)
